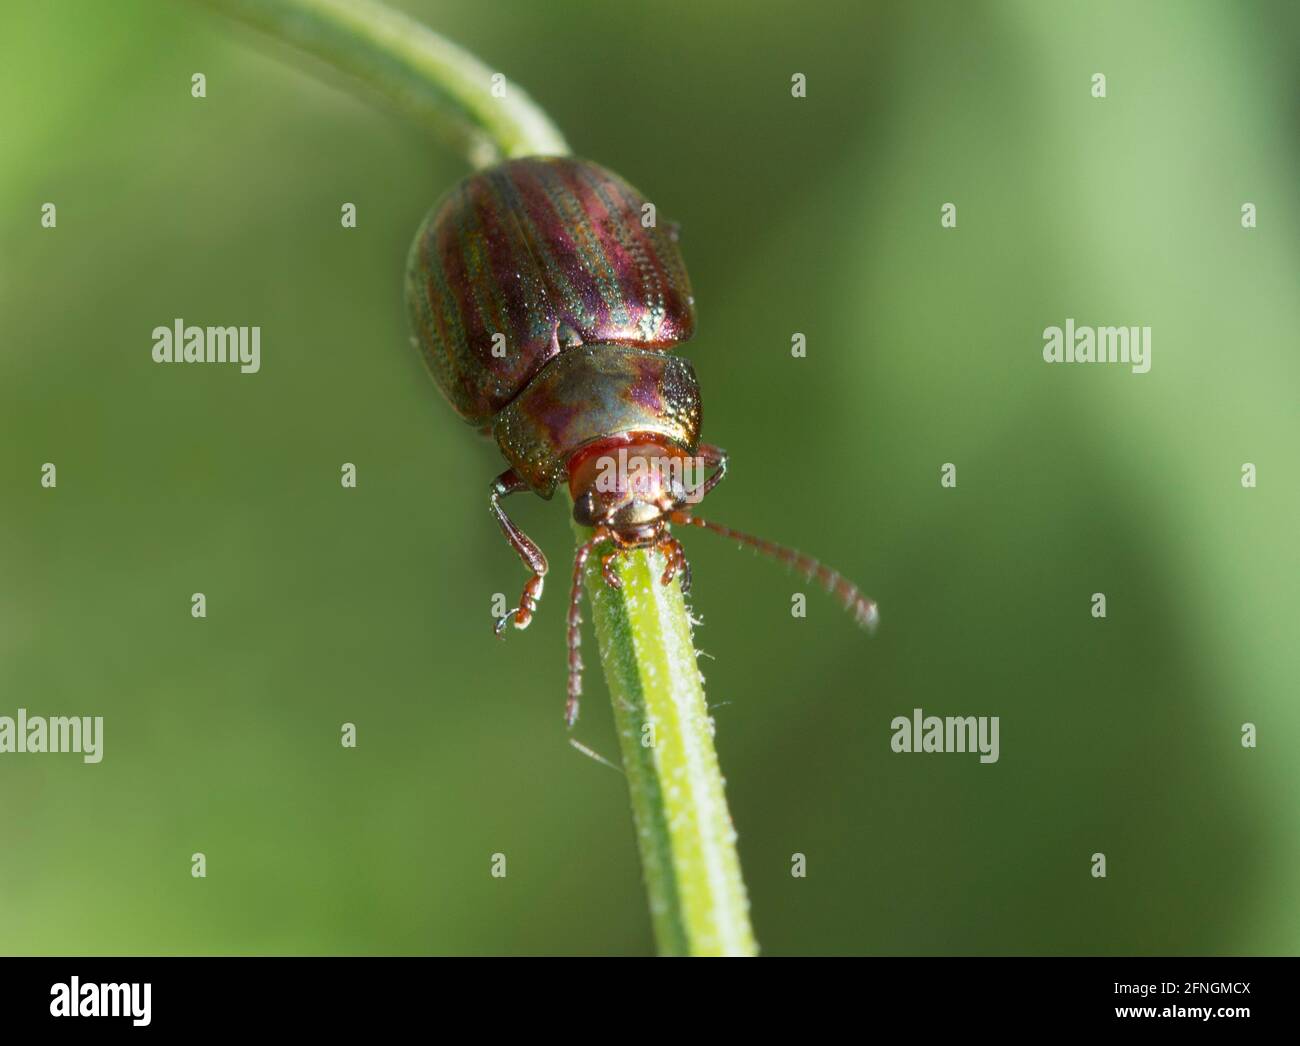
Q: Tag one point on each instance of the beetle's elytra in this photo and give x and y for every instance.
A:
(547, 303)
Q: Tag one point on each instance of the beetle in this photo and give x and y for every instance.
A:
(547, 303)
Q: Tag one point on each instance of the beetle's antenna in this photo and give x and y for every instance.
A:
(863, 609)
(575, 624)
(591, 753)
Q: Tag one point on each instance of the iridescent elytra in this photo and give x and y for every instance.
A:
(547, 301)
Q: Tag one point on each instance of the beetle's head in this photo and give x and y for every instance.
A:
(630, 485)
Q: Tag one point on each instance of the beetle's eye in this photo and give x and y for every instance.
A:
(584, 510)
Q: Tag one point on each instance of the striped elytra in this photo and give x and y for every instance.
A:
(527, 258)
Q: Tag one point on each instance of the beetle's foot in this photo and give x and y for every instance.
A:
(670, 568)
(518, 617)
(675, 561)
(522, 615)
(607, 570)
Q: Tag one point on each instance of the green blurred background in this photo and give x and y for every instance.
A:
(820, 216)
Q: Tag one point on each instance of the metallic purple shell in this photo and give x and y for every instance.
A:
(550, 252)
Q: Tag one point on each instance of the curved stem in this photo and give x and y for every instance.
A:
(432, 80)
(698, 903)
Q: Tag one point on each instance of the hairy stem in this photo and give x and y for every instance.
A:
(698, 903)
(439, 85)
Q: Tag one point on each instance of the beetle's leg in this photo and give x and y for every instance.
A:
(863, 609)
(683, 567)
(504, 485)
(575, 624)
(715, 458)
(675, 560)
(607, 569)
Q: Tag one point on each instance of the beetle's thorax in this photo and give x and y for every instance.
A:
(629, 484)
(590, 394)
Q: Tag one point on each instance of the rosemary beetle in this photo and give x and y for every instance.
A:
(547, 302)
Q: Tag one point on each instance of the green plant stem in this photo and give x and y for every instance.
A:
(698, 903)
(439, 85)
